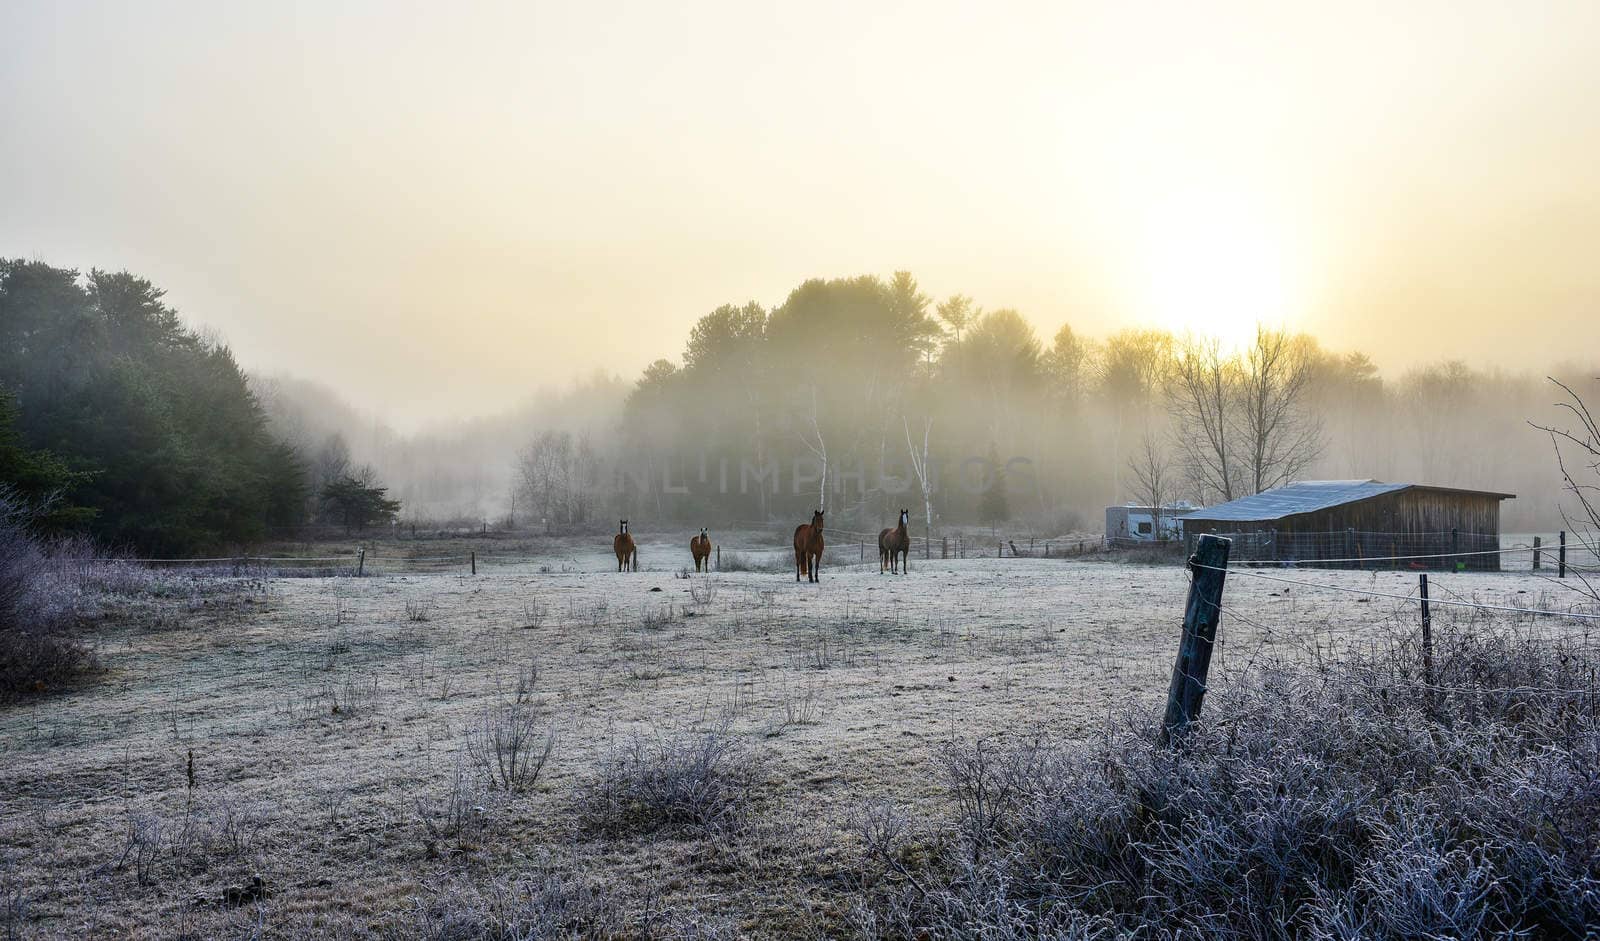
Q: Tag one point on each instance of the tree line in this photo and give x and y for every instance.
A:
(965, 413)
(861, 394)
(119, 421)
(865, 395)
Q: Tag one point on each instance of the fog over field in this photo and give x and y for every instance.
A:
(939, 471)
(1076, 421)
(438, 212)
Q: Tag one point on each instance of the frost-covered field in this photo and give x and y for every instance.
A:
(314, 732)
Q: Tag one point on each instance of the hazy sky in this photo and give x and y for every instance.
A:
(437, 208)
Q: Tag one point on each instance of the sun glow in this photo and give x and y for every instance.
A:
(1214, 266)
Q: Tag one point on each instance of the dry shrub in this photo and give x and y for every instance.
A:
(1340, 801)
(509, 746)
(39, 648)
(548, 902)
(687, 780)
(539, 905)
(764, 562)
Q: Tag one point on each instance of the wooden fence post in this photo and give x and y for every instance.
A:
(361, 562)
(1047, 549)
(944, 547)
(1427, 632)
(719, 556)
(1209, 567)
(1536, 553)
(474, 562)
(1561, 556)
(863, 550)
(1455, 549)
(999, 550)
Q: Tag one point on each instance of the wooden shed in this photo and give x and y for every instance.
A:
(1359, 524)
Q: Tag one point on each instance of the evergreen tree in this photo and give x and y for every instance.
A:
(37, 478)
(168, 448)
(356, 503)
(993, 507)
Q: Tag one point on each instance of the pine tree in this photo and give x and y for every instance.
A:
(992, 505)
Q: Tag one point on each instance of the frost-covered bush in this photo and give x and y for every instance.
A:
(37, 646)
(1341, 801)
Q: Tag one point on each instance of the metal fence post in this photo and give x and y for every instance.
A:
(1536, 553)
(474, 562)
(361, 562)
(1561, 557)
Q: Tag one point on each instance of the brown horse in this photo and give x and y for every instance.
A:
(700, 548)
(808, 548)
(894, 546)
(627, 551)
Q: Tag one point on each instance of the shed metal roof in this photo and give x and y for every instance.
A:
(1309, 496)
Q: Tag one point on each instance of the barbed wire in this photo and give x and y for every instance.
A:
(1387, 558)
(1255, 651)
(235, 559)
(1513, 609)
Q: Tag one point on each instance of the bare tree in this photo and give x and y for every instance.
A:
(558, 478)
(1152, 479)
(1281, 436)
(919, 466)
(1201, 392)
(820, 449)
(1578, 457)
(1242, 423)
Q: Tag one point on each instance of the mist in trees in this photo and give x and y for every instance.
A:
(558, 479)
(861, 394)
(153, 438)
(356, 501)
(864, 394)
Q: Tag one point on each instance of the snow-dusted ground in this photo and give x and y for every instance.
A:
(845, 687)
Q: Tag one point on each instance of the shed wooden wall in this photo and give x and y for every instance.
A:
(1415, 522)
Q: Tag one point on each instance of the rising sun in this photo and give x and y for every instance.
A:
(1213, 267)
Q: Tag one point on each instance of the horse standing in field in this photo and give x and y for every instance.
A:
(894, 546)
(700, 548)
(808, 548)
(627, 551)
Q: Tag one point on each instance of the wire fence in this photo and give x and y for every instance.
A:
(1418, 551)
(1581, 618)
(1588, 610)
(1538, 553)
